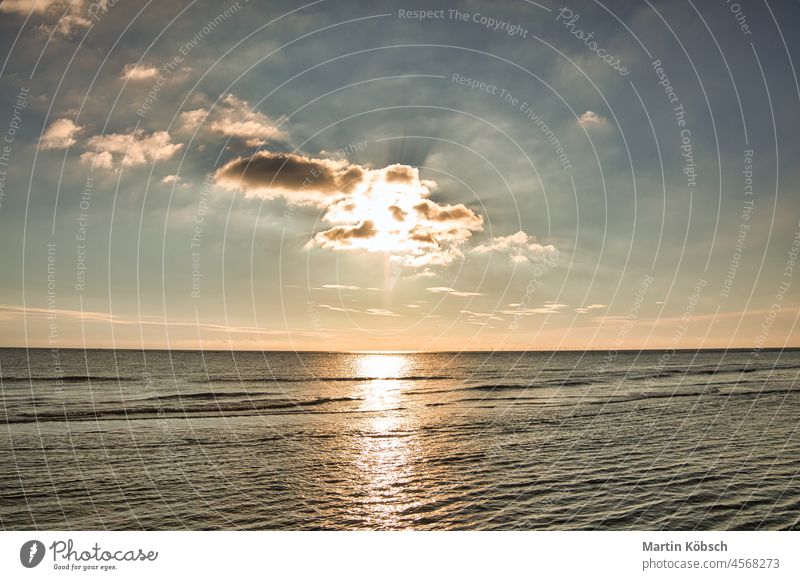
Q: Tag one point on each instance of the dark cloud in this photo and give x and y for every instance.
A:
(422, 235)
(271, 174)
(442, 213)
(398, 213)
(340, 233)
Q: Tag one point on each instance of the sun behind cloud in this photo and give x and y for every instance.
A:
(374, 210)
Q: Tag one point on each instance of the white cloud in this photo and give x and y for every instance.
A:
(590, 119)
(25, 6)
(341, 287)
(380, 312)
(451, 291)
(60, 134)
(65, 26)
(587, 309)
(520, 247)
(335, 308)
(348, 287)
(57, 17)
(139, 72)
(137, 148)
(234, 117)
(546, 308)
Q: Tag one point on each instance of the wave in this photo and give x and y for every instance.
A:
(159, 411)
(313, 379)
(612, 399)
(68, 379)
(505, 387)
(712, 392)
(249, 395)
(714, 370)
(539, 384)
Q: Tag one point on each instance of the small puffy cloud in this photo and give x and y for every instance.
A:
(65, 26)
(451, 291)
(234, 117)
(373, 210)
(137, 148)
(590, 119)
(167, 179)
(139, 72)
(60, 134)
(520, 247)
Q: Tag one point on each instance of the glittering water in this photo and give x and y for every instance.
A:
(173, 440)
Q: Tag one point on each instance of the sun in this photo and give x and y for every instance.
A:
(381, 366)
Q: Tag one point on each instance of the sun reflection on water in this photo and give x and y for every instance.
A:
(385, 455)
(381, 366)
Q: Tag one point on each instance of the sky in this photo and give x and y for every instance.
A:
(340, 175)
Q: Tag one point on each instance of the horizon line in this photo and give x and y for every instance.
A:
(400, 351)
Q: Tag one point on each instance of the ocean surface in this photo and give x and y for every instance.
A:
(108, 439)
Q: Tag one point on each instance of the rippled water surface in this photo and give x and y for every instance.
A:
(175, 440)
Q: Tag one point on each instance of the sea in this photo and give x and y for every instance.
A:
(198, 440)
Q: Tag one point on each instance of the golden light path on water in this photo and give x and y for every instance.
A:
(387, 445)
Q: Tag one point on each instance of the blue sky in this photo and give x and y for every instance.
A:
(396, 175)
